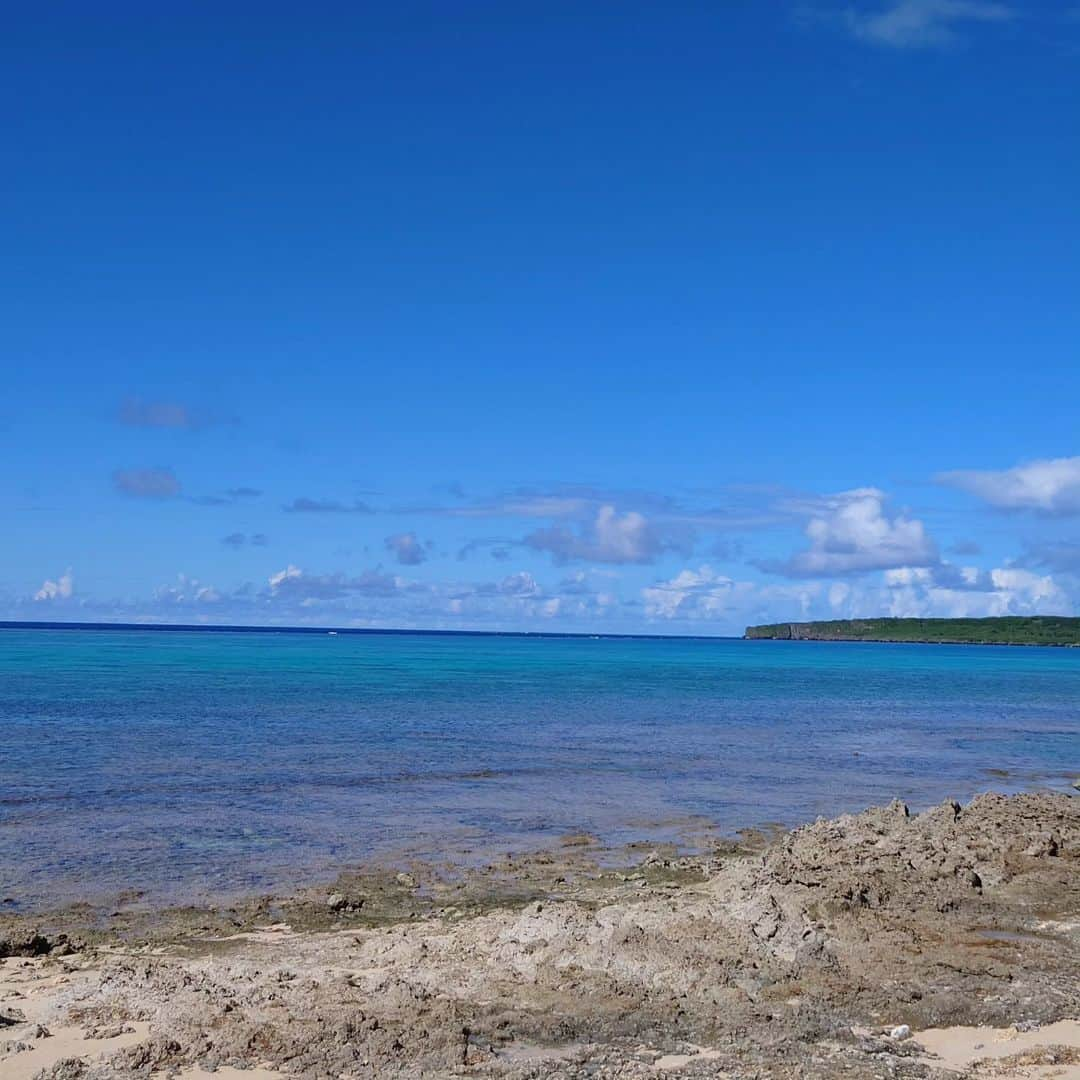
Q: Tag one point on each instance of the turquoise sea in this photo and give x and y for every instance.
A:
(194, 764)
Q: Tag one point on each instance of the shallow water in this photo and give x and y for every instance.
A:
(194, 764)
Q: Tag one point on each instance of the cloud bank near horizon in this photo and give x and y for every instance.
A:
(591, 558)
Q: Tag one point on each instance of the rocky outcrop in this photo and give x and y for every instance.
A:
(878, 920)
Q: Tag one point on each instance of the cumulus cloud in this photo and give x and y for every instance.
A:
(702, 590)
(922, 24)
(406, 548)
(63, 588)
(610, 537)
(147, 483)
(918, 592)
(305, 505)
(851, 533)
(705, 595)
(1050, 487)
(952, 592)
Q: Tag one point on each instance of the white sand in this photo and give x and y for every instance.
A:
(37, 992)
(959, 1048)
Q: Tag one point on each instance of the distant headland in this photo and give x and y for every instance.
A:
(1003, 630)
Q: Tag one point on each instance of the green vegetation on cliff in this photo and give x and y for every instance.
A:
(1006, 630)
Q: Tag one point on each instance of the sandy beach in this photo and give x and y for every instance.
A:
(877, 945)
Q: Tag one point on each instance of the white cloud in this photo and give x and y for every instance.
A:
(728, 605)
(1033, 591)
(703, 590)
(703, 594)
(622, 538)
(966, 592)
(1013, 592)
(61, 589)
(1047, 487)
(920, 24)
(851, 533)
(610, 537)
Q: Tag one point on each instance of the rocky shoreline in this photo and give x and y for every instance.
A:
(1035, 630)
(825, 952)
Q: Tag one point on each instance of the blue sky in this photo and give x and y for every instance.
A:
(574, 316)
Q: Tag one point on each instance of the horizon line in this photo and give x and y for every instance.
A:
(242, 628)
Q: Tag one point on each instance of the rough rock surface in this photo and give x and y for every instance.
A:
(794, 961)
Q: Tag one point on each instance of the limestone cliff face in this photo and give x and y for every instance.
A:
(812, 631)
(779, 631)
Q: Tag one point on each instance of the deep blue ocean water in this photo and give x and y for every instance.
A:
(194, 764)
